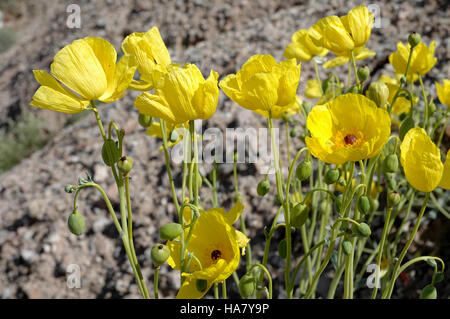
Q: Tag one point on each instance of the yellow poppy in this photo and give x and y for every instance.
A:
(263, 84)
(348, 128)
(402, 105)
(279, 111)
(88, 68)
(445, 180)
(302, 48)
(421, 161)
(443, 92)
(360, 53)
(422, 60)
(149, 50)
(215, 245)
(181, 94)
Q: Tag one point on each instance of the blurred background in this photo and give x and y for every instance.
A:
(42, 151)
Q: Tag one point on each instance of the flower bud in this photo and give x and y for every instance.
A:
(299, 215)
(237, 198)
(324, 207)
(263, 187)
(338, 202)
(342, 182)
(407, 124)
(201, 285)
(431, 108)
(390, 163)
(159, 254)
(69, 188)
(374, 204)
(304, 170)
(332, 176)
(293, 133)
(287, 117)
(363, 73)
(174, 136)
(282, 249)
(354, 89)
(391, 182)
(347, 247)
(379, 93)
(247, 286)
(306, 106)
(76, 223)
(393, 199)
(428, 292)
(145, 120)
(170, 231)
(125, 164)
(364, 204)
(414, 39)
(110, 152)
(364, 230)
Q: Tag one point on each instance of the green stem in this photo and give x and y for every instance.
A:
(156, 282)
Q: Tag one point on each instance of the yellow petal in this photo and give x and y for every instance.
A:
(119, 83)
(445, 180)
(443, 92)
(358, 23)
(48, 98)
(206, 97)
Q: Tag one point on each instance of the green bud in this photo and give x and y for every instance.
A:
(354, 89)
(247, 286)
(428, 292)
(76, 223)
(347, 247)
(338, 202)
(407, 124)
(174, 136)
(201, 285)
(125, 164)
(391, 182)
(170, 231)
(379, 93)
(110, 152)
(364, 230)
(342, 182)
(306, 106)
(68, 188)
(324, 207)
(159, 254)
(299, 215)
(293, 133)
(431, 108)
(237, 198)
(282, 249)
(390, 163)
(304, 170)
(332, 176)
(287, 117)
(263, 188)
(145, 120)
(374, 204)
(414, 39)
(363, 73)
(393, 199)
(364, 204)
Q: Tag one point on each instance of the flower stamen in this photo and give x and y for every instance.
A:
(216, 254)
(350, 139)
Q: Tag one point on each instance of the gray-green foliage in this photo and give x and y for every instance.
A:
(20, 140)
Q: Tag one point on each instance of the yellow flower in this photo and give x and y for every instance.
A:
(181, 94)
(402, 105)
(421, 161)
(215, 244)
(443, 92)
(149, 50)
(343, 35)
(348, 128)
(312, 89)
(262, 83)
(360, 53)
(302, 48)
(88, 68)
(422, 60)
(279, 111)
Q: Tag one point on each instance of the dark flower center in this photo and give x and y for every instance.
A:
(350, 139)
(216, 254)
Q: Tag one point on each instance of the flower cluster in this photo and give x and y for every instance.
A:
(352, 139)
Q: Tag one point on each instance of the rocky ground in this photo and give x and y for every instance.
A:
(35, 245)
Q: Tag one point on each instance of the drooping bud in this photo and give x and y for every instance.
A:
(69, 188)
(332, 176)
(170, 231)
(282, 249)
(247, 286)
(374, 204)
(125, 164)
(299, 215)
(390, 163)
(364, 204)
(379, 93)
(159, 254)
(304, 170)
(393, 199)
(364, 230)
(338, 202)
(414, 39)
(293, 133)
(428, 292)
(363, 73)
(76, 223)
(110, 152)
(263, 187)
(145, 120)
(306, 106)
(347, 247)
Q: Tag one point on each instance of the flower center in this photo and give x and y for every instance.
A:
(216, 254)
(350, 139)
